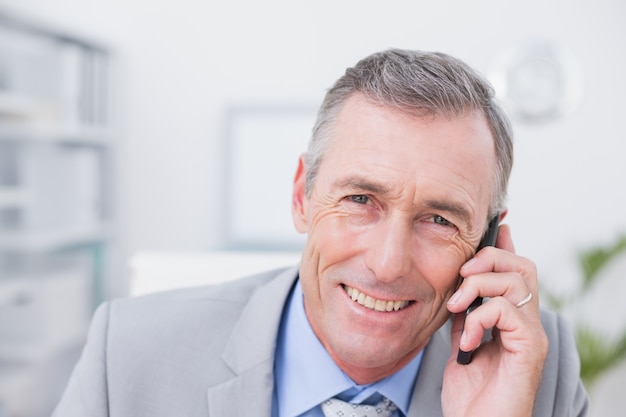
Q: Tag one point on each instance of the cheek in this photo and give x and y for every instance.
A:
(323, 249)
(329, 245)
(440, 268)
(332, 238)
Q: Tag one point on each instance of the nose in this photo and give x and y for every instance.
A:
(390, 251)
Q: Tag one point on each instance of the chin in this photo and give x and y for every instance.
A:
(368, 351)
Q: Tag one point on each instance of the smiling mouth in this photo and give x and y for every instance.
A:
(373, 303)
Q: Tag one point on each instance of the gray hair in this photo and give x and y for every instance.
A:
(423, 84)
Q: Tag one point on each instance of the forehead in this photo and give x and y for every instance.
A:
(448, 154)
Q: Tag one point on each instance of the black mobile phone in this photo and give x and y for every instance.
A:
(489, 239)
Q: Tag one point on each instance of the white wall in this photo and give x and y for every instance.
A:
(183, 63)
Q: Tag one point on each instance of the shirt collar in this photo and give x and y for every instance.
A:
(306, 375)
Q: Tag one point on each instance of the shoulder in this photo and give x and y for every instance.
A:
(181, 332)
(189, 304)
(553, 323)
(561, 390)
(202, 316)
(157, 354)
(562, 352)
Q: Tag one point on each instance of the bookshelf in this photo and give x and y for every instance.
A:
(56, 199)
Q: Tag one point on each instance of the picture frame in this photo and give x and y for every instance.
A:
(263, 144)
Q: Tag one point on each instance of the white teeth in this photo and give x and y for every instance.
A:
(361, 298)
(398, 305)
(372, 303)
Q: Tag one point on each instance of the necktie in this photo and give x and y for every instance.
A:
(337, 408)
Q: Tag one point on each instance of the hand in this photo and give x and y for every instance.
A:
(505, 372)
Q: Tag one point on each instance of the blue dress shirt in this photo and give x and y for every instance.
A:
(306, 375)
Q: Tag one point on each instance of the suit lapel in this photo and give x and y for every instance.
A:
(250, 353)
(426, 399)
(249, 394)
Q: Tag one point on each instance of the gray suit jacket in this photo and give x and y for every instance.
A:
(210, 352)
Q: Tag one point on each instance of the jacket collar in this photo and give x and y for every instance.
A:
(250, 353)
(426, 399)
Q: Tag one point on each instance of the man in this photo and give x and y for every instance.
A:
(409, 160)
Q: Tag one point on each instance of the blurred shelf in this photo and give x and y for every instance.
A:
(33, 389)
(15, 380)
(40, 350)
(27, 24)
(17, 105)
(53, 240)
(13, 197)
(44, 314)
(55, 133)
(57, 186)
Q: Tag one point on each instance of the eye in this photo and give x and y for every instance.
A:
(359, 199)
(441, 220)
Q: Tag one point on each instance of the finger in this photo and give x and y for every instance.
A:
(516, 332)
(488, 316)
(491, 259)
(497, 260)
(509, 285)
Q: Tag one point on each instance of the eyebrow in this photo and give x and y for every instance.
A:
(362, 184)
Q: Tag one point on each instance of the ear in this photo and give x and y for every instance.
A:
(298, 201)
(503, 213)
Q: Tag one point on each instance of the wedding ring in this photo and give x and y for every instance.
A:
(525, 300)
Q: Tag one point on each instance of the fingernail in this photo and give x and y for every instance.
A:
(469, 264)
(463, 339)
(455, 297)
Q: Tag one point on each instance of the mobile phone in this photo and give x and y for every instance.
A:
(489, 239)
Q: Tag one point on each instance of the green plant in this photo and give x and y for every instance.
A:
(598, 353)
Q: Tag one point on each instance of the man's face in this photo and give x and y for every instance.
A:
(399, 204)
